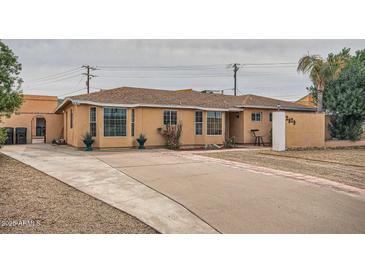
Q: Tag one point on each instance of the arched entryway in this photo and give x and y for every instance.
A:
(39, 129)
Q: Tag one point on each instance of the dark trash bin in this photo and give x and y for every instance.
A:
(21, 135)
(10, 135)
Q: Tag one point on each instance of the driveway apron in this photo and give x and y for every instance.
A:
(96, 178)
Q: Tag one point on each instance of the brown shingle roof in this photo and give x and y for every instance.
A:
(144, 96)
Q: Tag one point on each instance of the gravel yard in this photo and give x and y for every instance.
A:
(346, 166)
(32, 202)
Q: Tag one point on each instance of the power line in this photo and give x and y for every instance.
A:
(71, 92)
(165, 72)
(54, 81)
(162, 67)
(56, 75)
(192, 67)
(157, 68)
(269, 64)
(173, 69)
(164, 77)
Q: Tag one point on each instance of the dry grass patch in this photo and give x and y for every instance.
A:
(28, 194)
(346, 166)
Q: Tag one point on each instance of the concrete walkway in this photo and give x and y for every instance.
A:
(94, 177)
(231, 197)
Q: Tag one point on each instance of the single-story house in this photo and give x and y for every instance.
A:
(116, 117)
(307, 100)
(35, 121)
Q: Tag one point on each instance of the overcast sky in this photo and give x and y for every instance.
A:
(51, 67)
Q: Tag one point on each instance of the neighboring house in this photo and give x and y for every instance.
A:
(116, 117)
(307, 100)
(35, 121)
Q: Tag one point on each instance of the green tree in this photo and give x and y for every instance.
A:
(3, 136)
(10, 81)
(344, 98)
(322, 70)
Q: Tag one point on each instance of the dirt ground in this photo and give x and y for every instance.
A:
(341, 165)
(32, 202)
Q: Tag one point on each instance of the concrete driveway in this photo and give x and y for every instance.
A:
(229, 198)
(243, 200)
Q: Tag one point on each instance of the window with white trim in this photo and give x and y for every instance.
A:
(115, 121)
(256, 116)
(198, 122)
(270, 117)
(92, 119)
(169, 117)
(214, 123)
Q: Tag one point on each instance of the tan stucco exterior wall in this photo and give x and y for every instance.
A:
(236, 126)
(147, 121)
(326, 128)
(308, 131)
(36, 106)
(263, 126)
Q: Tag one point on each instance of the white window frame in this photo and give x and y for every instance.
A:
(195, 123)
(126, 127)
(95, 122)
(255, 113)
(221, 114)
(163, 117)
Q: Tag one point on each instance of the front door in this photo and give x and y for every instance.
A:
(41, 128)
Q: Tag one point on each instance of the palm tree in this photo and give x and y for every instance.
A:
(317, 68)
(321, 70)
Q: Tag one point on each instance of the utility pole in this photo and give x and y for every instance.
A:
(88, 76)
(235, 69)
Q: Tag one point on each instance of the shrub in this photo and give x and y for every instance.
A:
(87, 137)
(172, 134)
(344, 100)
(3, 136)
(347, 127)
(141, 140)
(142, 137)
(230, 142)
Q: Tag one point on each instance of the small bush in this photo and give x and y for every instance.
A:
(142, 137)
(346, 127)
(3, 136)
(87, 137)
(172, 134)
(230, 142)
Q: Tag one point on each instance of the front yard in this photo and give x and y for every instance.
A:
(33, 202)
(346, 166)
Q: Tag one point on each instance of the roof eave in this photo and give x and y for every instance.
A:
(64, 102)
(281, 107)
(86, 102)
